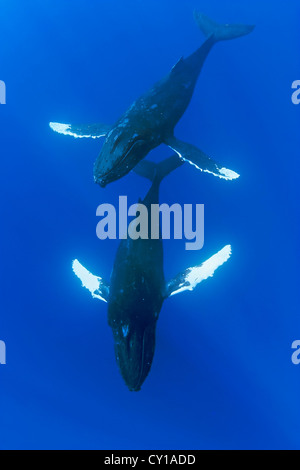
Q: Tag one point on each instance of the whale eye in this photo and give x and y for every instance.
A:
(132, 142)
(137, 140)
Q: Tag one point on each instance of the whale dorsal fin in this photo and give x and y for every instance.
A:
(95, 284)
(191, 277)
(178, 65)
(93, 131)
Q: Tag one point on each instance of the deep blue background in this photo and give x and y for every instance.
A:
(222, 375)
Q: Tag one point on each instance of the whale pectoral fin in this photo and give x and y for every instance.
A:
(95, 284)
(191, 277)
(199, 159)
(93, 131)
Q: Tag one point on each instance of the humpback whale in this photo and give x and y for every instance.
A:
(151, 119)
(137, 288)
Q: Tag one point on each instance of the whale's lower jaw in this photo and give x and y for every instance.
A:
(102, 180)
(134, 350)
(134, 389)
(103, 177)
(101, 183)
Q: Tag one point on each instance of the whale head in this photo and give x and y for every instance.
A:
(122, 150)
(134, 350)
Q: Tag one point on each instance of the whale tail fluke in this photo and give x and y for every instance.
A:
(221, 32)
(156, 172)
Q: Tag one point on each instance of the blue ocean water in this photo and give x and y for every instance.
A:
(222, 375)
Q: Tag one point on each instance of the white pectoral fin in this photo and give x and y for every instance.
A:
(191, 277)
(95, 284)
(199, 159)
(93, 131)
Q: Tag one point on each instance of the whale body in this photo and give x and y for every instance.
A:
(137, 288)
(151, 119)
